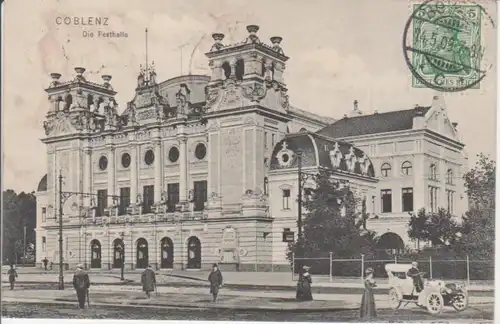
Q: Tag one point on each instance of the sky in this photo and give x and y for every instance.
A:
(340, 51)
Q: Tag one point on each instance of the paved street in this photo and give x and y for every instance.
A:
(472, 315)
(249, 280)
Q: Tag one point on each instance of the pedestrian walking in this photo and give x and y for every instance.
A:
(215, 279)
(12, 273)
(45, 262)
(304, 290)
(367, 309)
(81, 283)
(148, 280)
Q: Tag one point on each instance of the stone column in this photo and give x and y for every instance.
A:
(111, 176)
(134, 167)
(183, 166)
(158, 170)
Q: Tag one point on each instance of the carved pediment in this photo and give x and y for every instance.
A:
(64, 123)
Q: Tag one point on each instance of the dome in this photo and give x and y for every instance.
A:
(42, 185)
(320, 151)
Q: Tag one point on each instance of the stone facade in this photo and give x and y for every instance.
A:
(177, 179)
(189, 173)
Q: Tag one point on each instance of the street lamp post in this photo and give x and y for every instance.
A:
(63, 195)
(299, 168)
(61, 265)
(122, 255)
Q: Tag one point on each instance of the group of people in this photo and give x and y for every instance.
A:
(367, 309)
(81, 283)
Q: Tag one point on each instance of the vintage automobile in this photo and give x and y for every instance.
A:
(435, 295)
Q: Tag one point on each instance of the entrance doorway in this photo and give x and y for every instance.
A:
(194, 253)
(167, 253)
(95, 254)
(118, 253)
(142, 260)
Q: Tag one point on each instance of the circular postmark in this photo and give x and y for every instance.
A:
(444, 44)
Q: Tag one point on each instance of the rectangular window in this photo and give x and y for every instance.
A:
(286, 198)
(102, 202)
(44, 244)
(407, 198)
(386, 200)
(450, 197)
(124, 200)
(200, 194)
(44, 214)
(273, 139)
(265, 139)
(173, 196)
(149, 199)
(433, 197)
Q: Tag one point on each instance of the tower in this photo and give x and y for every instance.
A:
(78, 108)
(246, 111)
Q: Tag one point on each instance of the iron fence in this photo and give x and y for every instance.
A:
(434, 268)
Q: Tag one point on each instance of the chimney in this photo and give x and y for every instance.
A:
(355, 110)
(418, 117)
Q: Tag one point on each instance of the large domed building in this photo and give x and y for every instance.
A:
(201, 169)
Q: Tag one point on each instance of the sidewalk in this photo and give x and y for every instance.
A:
(250, 280)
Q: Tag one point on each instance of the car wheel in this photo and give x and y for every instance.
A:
(435, 303)
(460, 301)
(394, 300)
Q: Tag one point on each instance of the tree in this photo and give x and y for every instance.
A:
(332, 223)
(478, 231)
(19, 210)
(440, 229)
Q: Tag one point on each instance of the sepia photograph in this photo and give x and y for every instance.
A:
(278, 161)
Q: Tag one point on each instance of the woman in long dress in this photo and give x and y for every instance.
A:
(367, 309)
(304, 292)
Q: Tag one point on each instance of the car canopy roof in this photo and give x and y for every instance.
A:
(397, 267)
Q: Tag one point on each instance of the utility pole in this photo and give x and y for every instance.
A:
(24, 246)
(61, 265)
(299, 168)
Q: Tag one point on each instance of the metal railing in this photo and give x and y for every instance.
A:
(465, 269)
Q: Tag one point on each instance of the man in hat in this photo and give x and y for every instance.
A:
(415, 273)
(148, 280)
(81, 283)
(215, 279)
(12, 273)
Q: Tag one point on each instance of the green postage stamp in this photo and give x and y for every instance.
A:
(444, 47)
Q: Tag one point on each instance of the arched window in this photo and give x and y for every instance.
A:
(68, 100)
(433, 172)
(385, 170)
(406, 168)
(449, 176)
(239, 69)
(227, 69)
(266, 186)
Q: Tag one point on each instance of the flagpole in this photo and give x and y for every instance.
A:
(146, 52)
